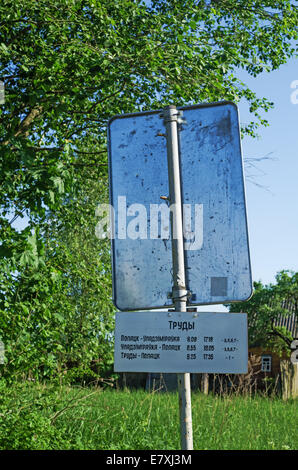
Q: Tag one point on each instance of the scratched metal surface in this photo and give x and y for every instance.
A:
(217, 261)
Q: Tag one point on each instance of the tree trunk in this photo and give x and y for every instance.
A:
(289, 379)
(205, 383)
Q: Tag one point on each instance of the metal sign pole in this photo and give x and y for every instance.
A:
(179, 293)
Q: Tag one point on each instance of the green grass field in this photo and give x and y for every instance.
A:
(46, 417)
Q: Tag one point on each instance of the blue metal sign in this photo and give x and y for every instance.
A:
(214, 213)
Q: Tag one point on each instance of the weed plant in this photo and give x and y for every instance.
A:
(34, 416)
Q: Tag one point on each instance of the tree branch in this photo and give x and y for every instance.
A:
(274, 332)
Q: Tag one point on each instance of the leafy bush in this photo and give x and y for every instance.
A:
(24, 424)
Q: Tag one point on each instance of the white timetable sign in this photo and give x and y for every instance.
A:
(181, 342)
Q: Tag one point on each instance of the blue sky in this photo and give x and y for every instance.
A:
(273, 213)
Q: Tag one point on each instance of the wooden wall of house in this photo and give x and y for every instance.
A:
(258, 352)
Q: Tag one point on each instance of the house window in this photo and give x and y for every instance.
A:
(266, 364)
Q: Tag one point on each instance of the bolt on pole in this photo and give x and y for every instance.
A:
(179, 293)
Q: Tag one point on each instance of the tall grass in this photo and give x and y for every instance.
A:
(109, 419)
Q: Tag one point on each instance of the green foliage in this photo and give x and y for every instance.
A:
(67, 67)
(24, 424)
(56, 312)
(40, 417)
(266, 305)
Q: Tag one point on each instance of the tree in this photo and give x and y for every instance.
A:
(266, 306)
(57, 316)
(67, 67)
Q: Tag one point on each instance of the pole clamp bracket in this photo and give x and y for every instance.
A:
(180, 293)
(171, 113)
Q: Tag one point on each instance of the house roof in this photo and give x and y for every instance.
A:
(290, 320)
